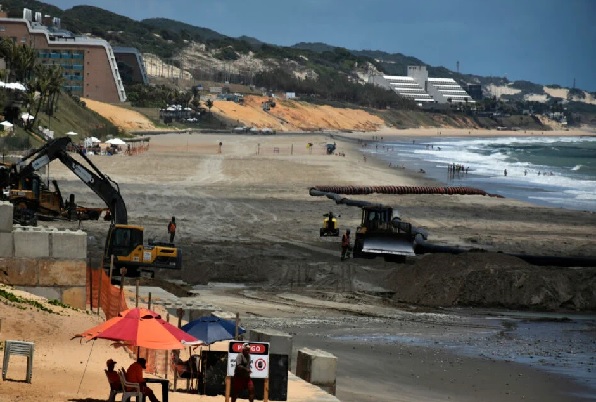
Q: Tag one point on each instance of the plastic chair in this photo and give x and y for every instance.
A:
(136, 392)
(18, 348)
(113, 392)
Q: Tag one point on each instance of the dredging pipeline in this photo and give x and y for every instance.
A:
(363, 190)
(424, 247)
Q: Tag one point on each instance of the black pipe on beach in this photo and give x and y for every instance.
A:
(400, 190)
(423, 247)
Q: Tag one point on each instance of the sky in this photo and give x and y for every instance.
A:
(543, 41)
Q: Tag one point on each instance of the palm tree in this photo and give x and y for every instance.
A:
(56, 80)
(40, 84)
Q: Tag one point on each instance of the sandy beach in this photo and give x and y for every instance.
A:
(245, 216)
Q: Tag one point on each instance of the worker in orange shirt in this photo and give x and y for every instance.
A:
(135, 374)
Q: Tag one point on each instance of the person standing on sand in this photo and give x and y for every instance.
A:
(172, 229)
(345, 245)
(241, 379)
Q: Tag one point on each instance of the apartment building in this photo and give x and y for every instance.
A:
(418, 87)
(90, 66)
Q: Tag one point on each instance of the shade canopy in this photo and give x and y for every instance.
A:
(212, 329)
(115, 141)
(7, 124)
(141, 327)
(71, 133)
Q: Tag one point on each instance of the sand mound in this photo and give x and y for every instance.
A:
(483, 279)
(293, 115)
(127, 120)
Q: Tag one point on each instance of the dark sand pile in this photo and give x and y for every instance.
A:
(484, 279)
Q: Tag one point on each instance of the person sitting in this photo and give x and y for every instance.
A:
(113, 377)
(135, 374)
(183, 367)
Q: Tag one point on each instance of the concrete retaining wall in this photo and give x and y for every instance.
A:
(280, 343)
(317, 367)
(47, 262)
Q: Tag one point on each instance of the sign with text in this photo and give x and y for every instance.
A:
(259, 358)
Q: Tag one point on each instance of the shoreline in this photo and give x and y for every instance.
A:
(482, 175)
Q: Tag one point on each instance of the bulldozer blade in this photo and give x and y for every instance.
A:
(388, 245)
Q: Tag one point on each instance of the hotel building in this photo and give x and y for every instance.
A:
(90, 67)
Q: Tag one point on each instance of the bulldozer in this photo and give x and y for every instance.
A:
(381, 231)
(330, 226)
(33, 199)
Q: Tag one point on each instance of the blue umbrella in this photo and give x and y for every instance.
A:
(212, 329)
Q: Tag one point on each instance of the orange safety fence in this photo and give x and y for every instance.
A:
(112, 302)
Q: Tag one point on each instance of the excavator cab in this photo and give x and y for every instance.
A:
(125, 243)
(330, 226)
(380, 233)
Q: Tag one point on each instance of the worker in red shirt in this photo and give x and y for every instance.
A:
(345, 245)
(135, 374)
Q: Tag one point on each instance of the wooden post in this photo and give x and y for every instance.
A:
(137, 292)
(292, 150)
(228, 388)
(122, 274)
(109, 308)
(236, 335)
(180, 313)
(90, 288)
(149, 302)
(99, 290)
(266, 390)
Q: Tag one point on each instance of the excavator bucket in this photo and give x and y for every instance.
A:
(388, 244)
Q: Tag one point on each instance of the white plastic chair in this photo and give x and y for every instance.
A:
(136, 392)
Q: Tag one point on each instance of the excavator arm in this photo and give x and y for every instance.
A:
(107, 189)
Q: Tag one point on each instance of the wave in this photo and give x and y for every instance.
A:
(577, 167)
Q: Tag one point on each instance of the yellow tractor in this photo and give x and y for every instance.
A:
(330, 226)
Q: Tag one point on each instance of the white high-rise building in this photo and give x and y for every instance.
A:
(421, 89)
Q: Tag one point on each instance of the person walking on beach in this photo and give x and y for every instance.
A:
(345, 245)
(505, 172)
(241, 379)
(172, 229)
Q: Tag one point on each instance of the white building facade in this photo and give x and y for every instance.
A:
(418, 87)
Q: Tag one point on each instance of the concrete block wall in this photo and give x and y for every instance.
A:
(280, 343)
(48, 262)
(5, 217)
(317, 367)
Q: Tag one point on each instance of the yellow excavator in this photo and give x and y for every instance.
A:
(124, 242)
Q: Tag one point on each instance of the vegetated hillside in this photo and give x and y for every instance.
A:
(171, 39)
(73, 115)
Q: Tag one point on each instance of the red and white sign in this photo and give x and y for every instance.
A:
(259, 358)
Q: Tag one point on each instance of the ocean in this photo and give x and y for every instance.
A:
(548, 171)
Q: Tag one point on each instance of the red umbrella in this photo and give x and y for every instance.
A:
(92, 332)
(141, 327)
